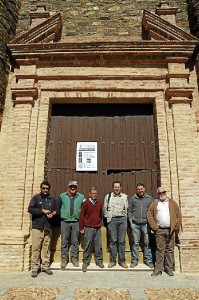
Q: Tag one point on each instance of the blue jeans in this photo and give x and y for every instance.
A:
(117, 228)
(137, 231)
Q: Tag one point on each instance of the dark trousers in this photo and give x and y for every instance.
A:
(92, 236)
(69, 235)
(165, 242)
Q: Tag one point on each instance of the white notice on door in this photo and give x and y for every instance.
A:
(86, 156)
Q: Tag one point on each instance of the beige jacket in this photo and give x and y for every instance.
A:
(175, 215)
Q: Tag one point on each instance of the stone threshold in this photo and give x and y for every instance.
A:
(93, 267)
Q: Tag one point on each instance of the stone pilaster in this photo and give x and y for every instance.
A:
(184, 169)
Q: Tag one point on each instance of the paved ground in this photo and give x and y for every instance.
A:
(69, 280)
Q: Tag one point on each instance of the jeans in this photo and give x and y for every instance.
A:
(92, 236)
(69, 230)
(137, 231)
(117, 228)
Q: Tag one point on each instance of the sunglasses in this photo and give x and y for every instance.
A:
(45, 188)
(162, 193)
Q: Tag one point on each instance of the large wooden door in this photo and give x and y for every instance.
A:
(126, 146)
(126, 152)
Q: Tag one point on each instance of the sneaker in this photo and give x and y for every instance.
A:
(123, 265)
(149, 264)
(100, 264)
(133, 264)
(48, 272)
(156, 273)
(64, 264)
(84, 267)
(34, 274)
(75, 262)
(111, 264)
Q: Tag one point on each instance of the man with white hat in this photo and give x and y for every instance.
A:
(164, 218)
(70, 204)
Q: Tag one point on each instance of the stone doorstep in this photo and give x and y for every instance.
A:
(93, 267)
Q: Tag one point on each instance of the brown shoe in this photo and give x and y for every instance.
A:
(123, 265)
(150, 265)
(64, 264)
(133, 264)
(100, 264)
(111, 264)
(75, 262)
(84, 267)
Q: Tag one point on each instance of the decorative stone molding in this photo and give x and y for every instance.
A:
(176, 95)
(160, 29)
(167, 12)
(45, 32)
(40, 13)
(24, 96)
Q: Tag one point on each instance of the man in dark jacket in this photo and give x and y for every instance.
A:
(90, 222)
(137, 214)
(42, 207)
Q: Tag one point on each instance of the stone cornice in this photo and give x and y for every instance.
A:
(175, 51)
(179, 94)
(160, 29)
(24, 96)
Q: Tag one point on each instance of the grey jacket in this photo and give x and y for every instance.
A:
(138, 208)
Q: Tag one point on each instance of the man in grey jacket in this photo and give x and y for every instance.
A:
(137, 214)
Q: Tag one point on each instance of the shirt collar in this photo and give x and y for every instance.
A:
(145, 196)
(67, 193)
(114, 195)
(92, 201)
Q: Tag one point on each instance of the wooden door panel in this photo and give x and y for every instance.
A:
(126, 150)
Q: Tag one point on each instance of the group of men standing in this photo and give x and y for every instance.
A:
(78, 215)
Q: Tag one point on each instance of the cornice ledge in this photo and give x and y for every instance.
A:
(35, 50)
(153, 23)
(175, 95)
(47, 31)
(24, 96)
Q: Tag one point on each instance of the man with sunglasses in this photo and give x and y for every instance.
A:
(164, 218)
(43, 208)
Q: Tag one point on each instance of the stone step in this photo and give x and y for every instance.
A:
(93, 267)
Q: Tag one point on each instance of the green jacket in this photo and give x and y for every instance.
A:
(65, 207)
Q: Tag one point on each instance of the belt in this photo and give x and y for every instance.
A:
(164, 227)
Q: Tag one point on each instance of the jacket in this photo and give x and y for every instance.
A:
(115, 206)
(64, 203)
(175, 215)
(138, 207)
(37, 203)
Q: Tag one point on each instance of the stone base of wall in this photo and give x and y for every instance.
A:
(14, 252)
(189, 254)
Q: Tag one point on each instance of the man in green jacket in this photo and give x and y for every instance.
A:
(70, 204)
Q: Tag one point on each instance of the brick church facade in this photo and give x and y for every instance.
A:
(62, 59)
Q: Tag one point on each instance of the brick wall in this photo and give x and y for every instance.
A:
(9, 13)
(25, 128)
